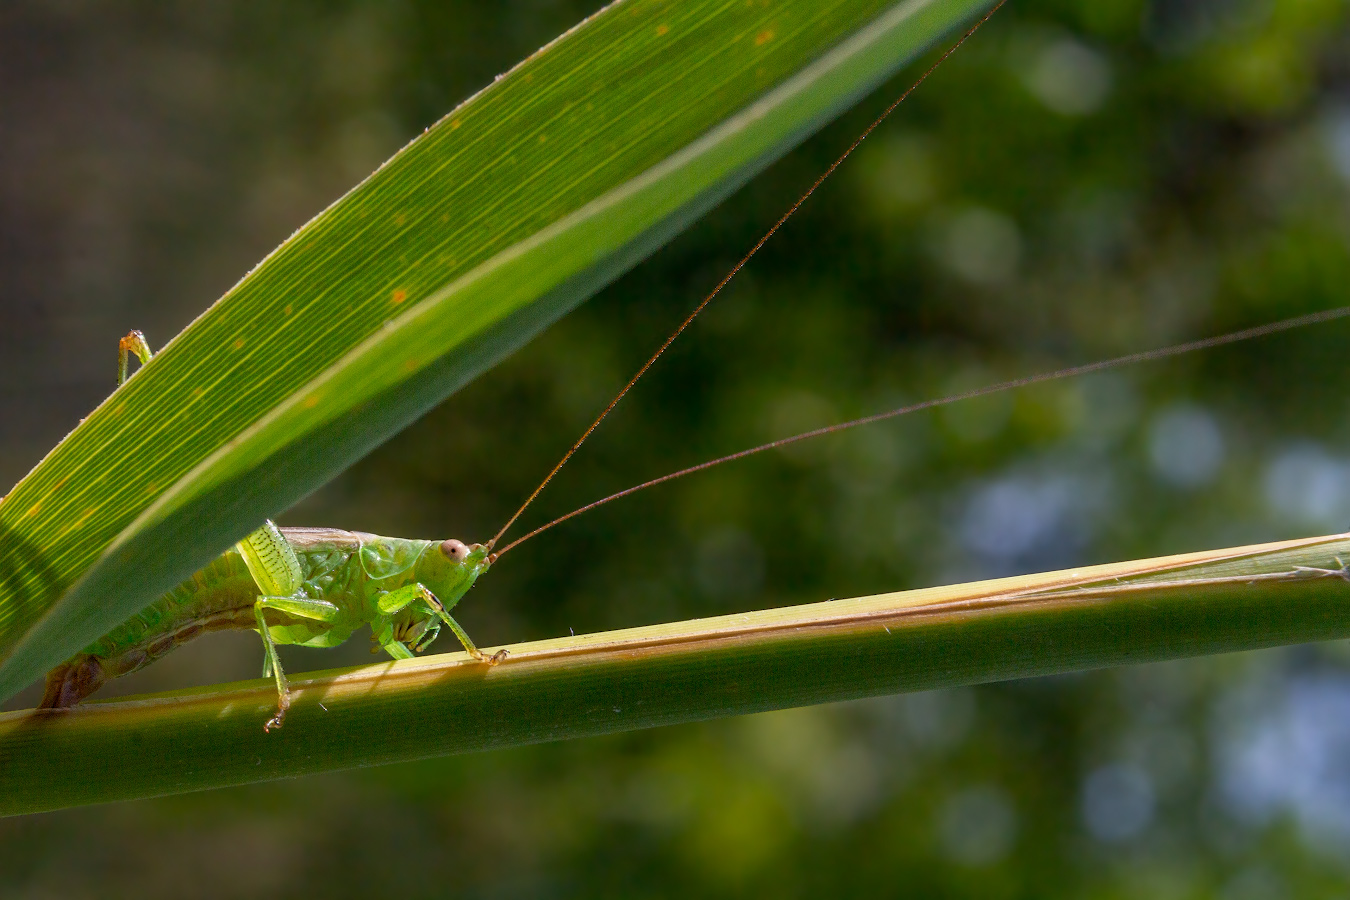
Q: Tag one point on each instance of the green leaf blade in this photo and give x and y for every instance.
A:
(508, 212)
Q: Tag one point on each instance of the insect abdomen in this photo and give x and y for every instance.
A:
(219, 597)
(216, 598)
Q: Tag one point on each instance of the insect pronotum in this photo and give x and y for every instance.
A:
(316, 586)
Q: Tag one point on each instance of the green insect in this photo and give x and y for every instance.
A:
(316, 586)
(308, 586)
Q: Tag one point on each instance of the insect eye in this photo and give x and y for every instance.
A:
(455, 550)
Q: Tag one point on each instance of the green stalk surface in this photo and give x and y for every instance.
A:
(1212, 602)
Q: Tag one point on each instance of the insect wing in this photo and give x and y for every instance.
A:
(271, 561)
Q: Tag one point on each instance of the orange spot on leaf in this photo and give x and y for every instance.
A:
(662, 30)
(311, 401)
(32, 510)
(763, 38)
(398, 296)
(454, 125)
(400, 218)
(288, 309)
(239, 343)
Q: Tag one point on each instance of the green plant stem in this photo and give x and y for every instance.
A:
(1211, 602)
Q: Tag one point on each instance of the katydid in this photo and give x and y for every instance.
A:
(307, 586)
(316, 586)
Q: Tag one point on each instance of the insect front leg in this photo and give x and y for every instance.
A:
(397, 600)
(302, 607)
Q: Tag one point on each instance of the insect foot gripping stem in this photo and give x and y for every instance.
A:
(492, 660)
(468, 644)
(283, 704)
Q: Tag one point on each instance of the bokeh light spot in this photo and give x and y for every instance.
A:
(1070, 78)
(1186, 446)
(978, 825)
(1117, 802)
(1306, 484)
(982, 246)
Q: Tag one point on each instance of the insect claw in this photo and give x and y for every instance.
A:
(277, 720)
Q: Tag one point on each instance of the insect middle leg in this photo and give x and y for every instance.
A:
(301, 607)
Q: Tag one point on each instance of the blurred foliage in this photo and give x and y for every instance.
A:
(1085, 178)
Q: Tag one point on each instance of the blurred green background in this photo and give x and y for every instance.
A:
(1086, 178)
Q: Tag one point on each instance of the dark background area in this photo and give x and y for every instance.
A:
(1086, 178)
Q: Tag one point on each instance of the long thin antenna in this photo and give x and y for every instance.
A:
(737, 268)
(1143, 356)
